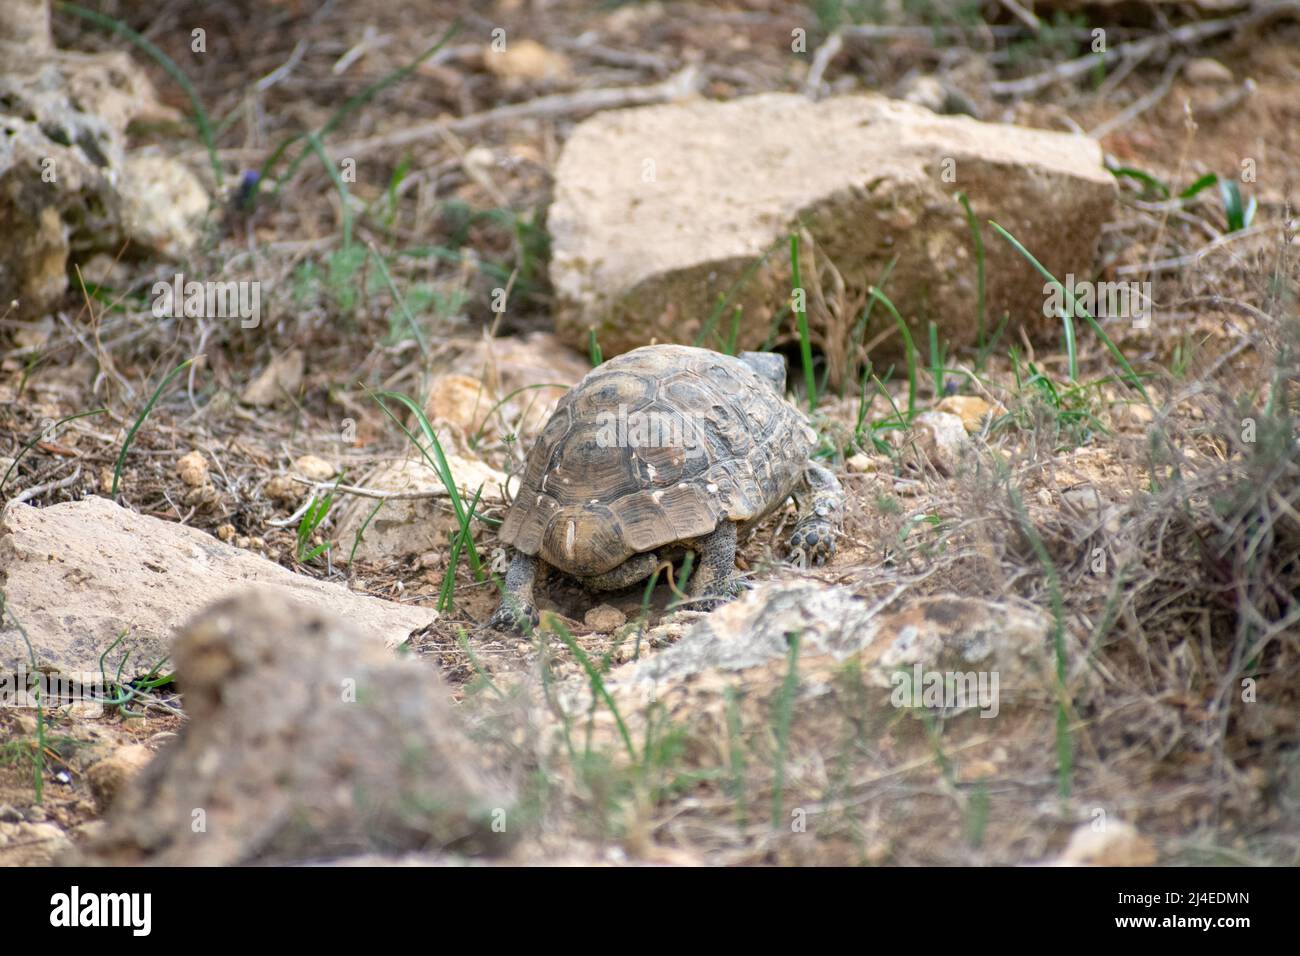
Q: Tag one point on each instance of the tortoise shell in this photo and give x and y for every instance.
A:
(654, 448)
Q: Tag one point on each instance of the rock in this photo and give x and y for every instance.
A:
(861, 463)
(305, 742)
(402, 528)
(66, 179)
(162, 204)
(604, 617)
(938, 440)
(193, 469)
(32, 336)
(108, 776)
(862, 688)
(942, 633)
(1136, 413)
(535, 370)
(78, 574)
(1204, 71)
(103, 269)
(459, 401)
(525, 61)
(938, 96)
(660, 211)
(31, 844)
(282, 376)
(1118, 843)
(283, 488)
(972, 410)
(926, 91)
(313, 468)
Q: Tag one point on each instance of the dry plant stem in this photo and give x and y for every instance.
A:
(682, 83)
(1073, 69)
(1140, 106)
(821, 60)
(1190, 126)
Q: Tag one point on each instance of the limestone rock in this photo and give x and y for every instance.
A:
(78, 574)
(1118, 843)
(659, 211)
(305, 742)
(971, 409)
(459, 401)
(193, 469)
(66, 179)
(937, 440)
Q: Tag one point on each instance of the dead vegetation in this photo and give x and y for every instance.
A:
(1164, 533)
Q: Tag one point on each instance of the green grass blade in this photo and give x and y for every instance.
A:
(978, 238)
(1132, 378)
(801, 316)
(1064, 742)
(400, 300)
(598, 687)
(1142, 176)
(201, 121)
(908, 345)
(436, 459)
(130, 436)
(1205, 182)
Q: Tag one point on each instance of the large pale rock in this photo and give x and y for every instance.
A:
(78, 574)
(661, 211)
(305, 742)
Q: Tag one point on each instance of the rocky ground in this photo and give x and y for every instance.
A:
(240, 528)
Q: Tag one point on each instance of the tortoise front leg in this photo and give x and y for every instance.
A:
(517, 603)
(714, 581)
(821, 517)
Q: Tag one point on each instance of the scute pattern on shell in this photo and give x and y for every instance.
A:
(715, 442)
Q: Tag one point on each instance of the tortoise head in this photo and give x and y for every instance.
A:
(770, 367)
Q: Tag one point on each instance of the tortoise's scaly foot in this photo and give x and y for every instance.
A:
(812, 542)
(511, 618)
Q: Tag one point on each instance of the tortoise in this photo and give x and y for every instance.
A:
(664, 449)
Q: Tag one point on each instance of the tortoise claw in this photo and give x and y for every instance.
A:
(812, 542)
(510, 618)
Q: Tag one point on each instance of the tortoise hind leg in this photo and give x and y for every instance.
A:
(821, 516)
(714, 581)
(517, 603)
